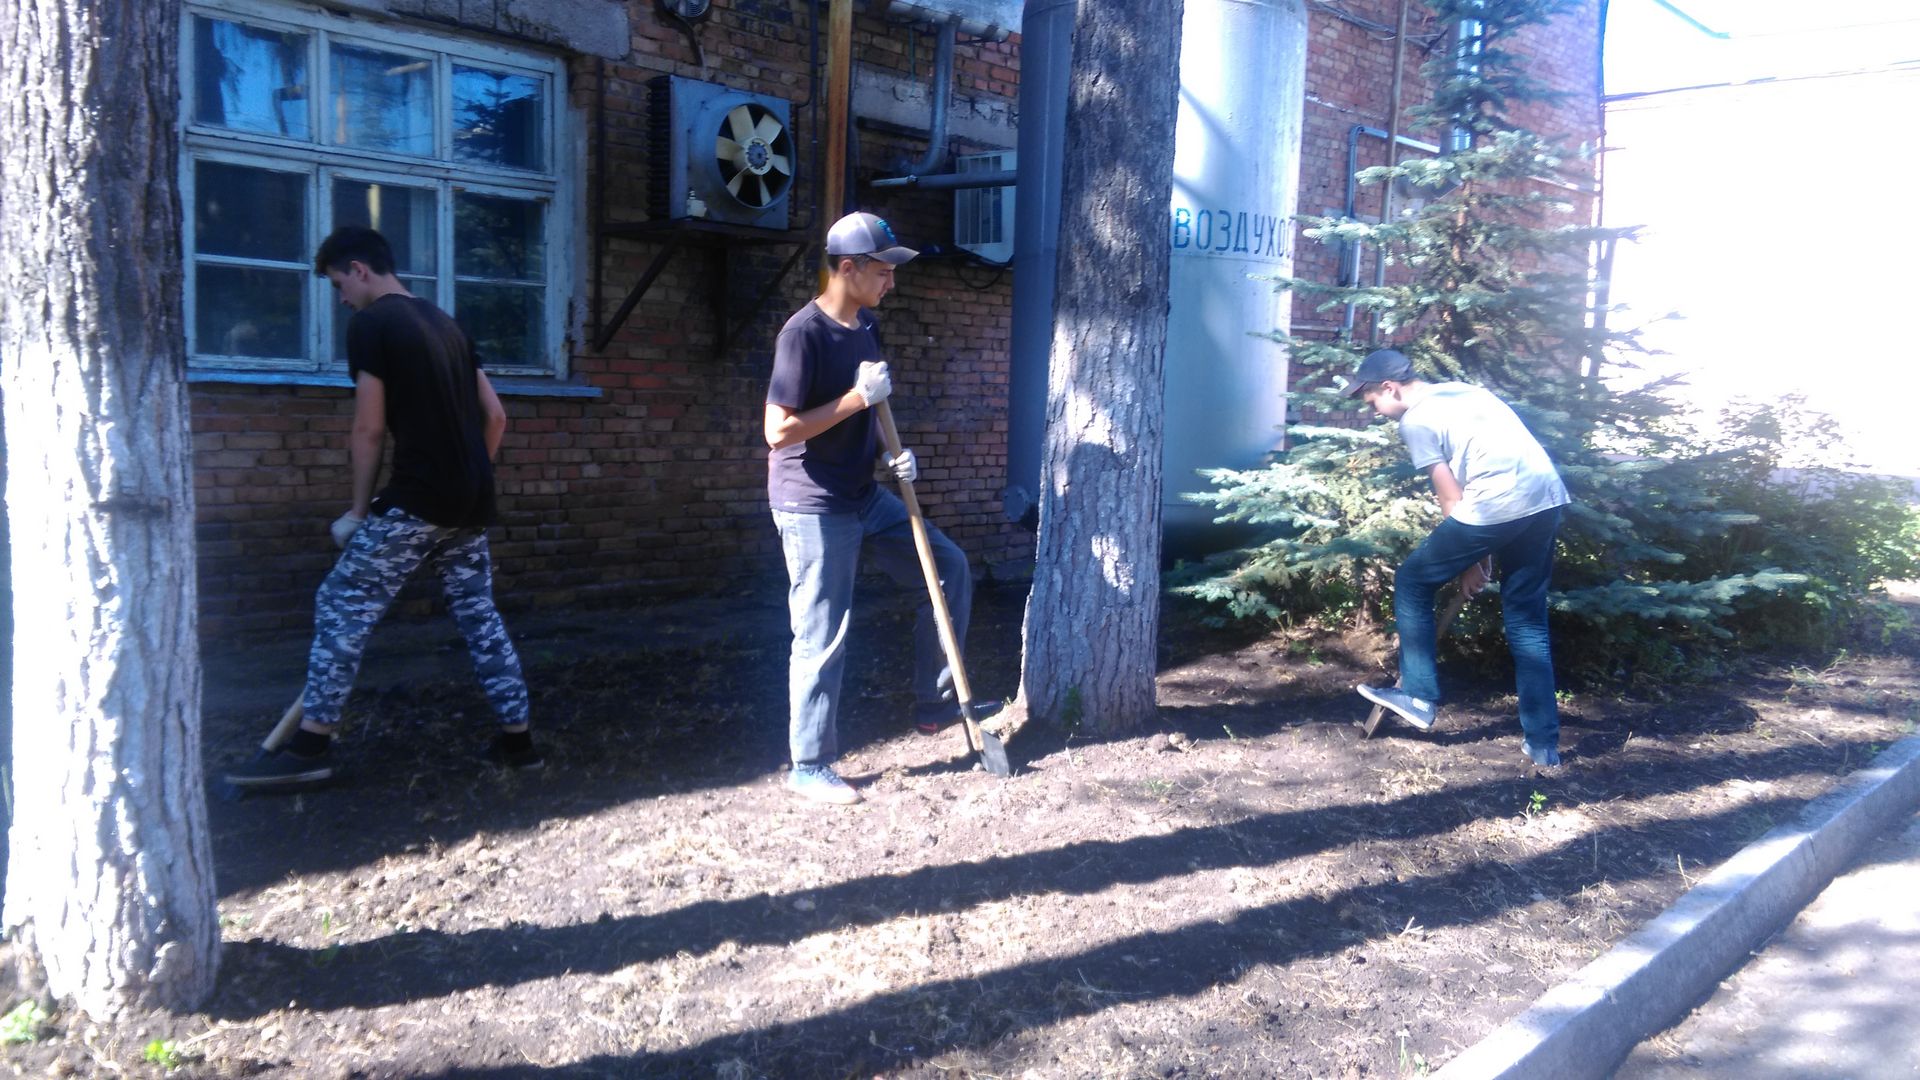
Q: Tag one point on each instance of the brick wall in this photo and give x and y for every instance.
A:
(658, 484)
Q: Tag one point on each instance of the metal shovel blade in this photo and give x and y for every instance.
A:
(993, 752)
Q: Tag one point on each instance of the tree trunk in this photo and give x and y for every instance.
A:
(1093, 617)
(110, 881)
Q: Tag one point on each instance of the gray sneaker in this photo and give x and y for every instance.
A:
(1421, 714)
(821, 784)
(1546, 757)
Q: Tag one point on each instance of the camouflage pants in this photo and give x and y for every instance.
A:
(362, 586)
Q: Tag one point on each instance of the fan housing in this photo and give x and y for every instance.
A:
(718, 153)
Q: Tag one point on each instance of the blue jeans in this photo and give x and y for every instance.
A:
(823, 557)
(1524, 549)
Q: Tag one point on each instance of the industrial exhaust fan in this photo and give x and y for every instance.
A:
(718, 154)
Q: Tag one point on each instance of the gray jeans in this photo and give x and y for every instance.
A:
(378, 561)
(823, 557)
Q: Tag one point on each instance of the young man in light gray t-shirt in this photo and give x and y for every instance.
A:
(1501, 497)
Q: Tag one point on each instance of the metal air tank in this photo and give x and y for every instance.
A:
(1235, 189)
(1236, 184)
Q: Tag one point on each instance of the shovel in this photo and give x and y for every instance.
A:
(993, 754)
(1452, 608)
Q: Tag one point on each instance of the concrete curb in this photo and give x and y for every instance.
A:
(1586, 1026)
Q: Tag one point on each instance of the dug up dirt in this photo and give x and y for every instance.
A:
(1248, 888)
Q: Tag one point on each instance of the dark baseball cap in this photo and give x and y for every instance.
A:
(867, 234)
(1379, 366)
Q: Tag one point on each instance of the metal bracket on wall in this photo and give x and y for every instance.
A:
(687, 232)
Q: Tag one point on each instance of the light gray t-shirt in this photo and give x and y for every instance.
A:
(1503, 469)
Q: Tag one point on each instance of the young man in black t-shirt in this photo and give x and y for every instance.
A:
(414, 375)
(827, 374)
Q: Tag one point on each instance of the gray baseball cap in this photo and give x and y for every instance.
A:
(1379, 366)
(867, 234)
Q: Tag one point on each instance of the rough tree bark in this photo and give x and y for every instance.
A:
(110, 881)
(1093, 616)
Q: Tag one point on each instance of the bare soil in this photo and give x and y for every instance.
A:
(1247, 889)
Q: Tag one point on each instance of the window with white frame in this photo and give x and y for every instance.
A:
(297, 121)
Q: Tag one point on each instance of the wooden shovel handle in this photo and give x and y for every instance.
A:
(283, 730)
(890, 438)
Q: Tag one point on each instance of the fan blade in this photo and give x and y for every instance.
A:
(768, 129)
(780, 164)
(729, 151)
(740, 123)
(733, 185)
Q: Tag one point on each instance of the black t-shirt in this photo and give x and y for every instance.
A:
(440, 469)
(815, 360)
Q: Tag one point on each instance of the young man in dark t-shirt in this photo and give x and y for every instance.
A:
(414, 375)
(827, 374)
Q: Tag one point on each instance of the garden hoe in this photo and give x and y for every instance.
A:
(1454, 603)
(993, 754)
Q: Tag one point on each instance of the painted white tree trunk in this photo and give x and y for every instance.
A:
(1093, 617)
(110, 877)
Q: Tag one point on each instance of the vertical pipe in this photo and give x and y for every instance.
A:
(1466, 58)
(1393, 156)
(942, 98)
(1046, 67)
(598, 305)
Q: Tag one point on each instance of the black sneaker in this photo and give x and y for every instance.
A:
(281, 769)
(525, 758)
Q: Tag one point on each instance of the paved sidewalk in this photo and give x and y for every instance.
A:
(1833, 996)
(1581, 1029)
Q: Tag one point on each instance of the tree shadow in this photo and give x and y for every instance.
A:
(403, 967)
(1180, 963)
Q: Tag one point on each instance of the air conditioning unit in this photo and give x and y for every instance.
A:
(983, 217)
(718, 153)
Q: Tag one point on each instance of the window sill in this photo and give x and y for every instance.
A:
(504, 385)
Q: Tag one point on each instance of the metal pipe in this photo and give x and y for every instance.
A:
(973, 19)
(1469, 43)
(812, 106)
(1046, 68)
(950, 181)
(598, 305)
(1351, 277)
(936, 156)
(1393, 138)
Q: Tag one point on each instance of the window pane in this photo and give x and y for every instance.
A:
(249, 213)
(499, 238)
(422, 287)
(382, 100)
(506, 322)
(242, 311)
(404, 215)
(249, 77)
(499, 119)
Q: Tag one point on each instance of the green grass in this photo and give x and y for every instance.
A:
(26, 1023)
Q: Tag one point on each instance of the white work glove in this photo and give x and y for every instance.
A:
(344, 527)
(903, 466)
(873, 383)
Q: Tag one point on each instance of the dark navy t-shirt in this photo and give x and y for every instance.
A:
(440, 468)
(815, 360)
